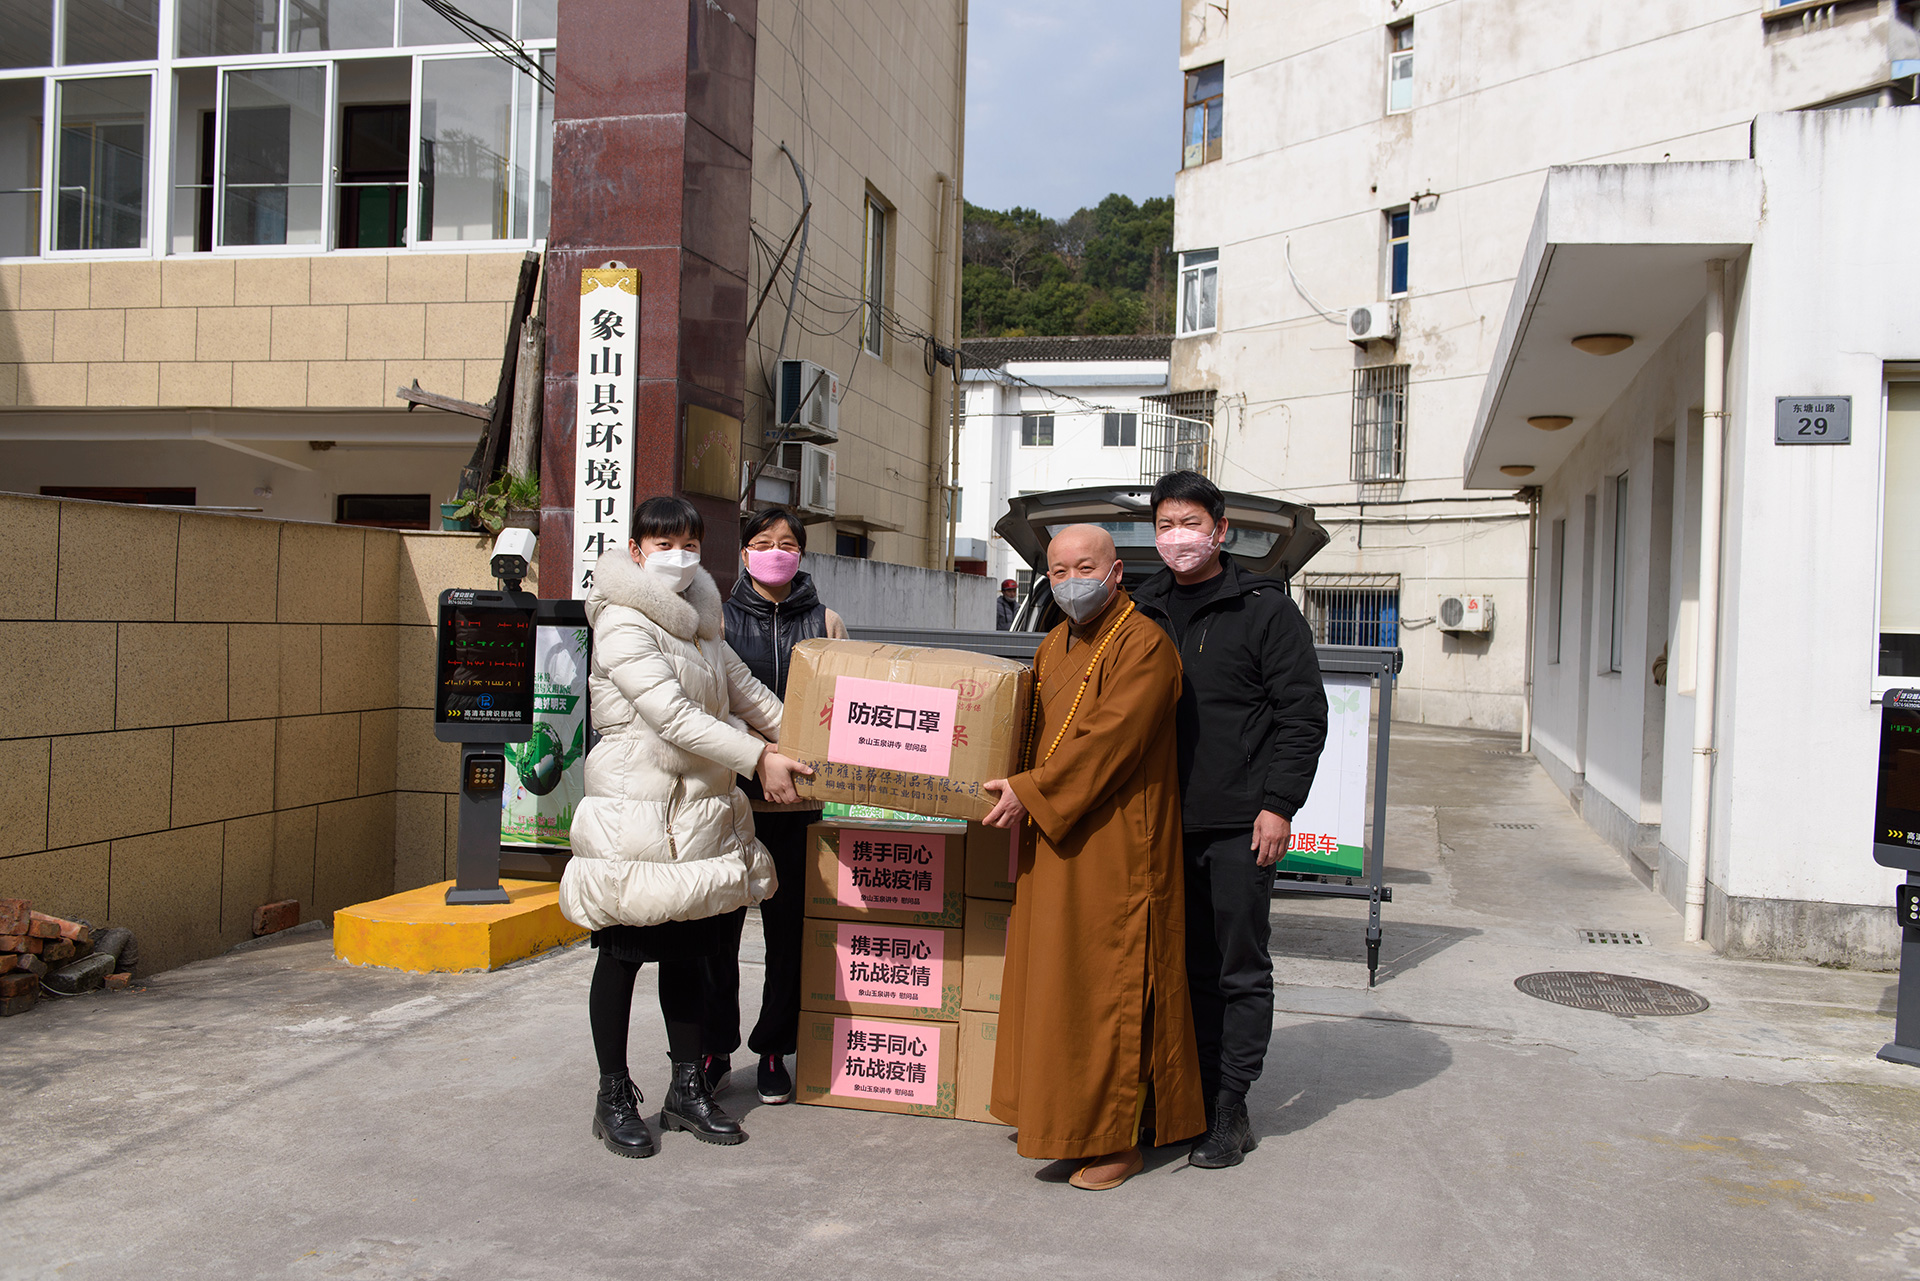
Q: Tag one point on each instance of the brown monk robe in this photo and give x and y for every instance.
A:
(1094, 1007)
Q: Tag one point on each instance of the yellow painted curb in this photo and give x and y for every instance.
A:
(416, 930)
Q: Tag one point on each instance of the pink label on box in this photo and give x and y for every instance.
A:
(887, 725)
(873, 1060)
(888, 964)
(899, 871)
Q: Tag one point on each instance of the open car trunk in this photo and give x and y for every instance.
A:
(1267, 535)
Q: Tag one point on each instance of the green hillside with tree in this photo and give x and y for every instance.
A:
(1105, 270)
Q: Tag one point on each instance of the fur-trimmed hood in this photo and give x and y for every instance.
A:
(696, 611)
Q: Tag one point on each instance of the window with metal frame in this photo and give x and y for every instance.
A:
(1176, 434)
(873, 275)
(1399, 241)
(1400, 67)
(1119, 431)
(230, 129)
(1036, 429)
(1352, 609)
(1380, 423)
(1556, 587)
(1199, 291)
(1617, 629)
(1201, 126)
(384, 511)
(1900, 539)
(100, 163)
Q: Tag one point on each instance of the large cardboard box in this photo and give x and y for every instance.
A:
(877, 1065)
(978, 1034)
(900, 873)
(984, 945)
(992, 866)
(904, 728)
(888, 971)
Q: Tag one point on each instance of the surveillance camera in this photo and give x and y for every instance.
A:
(513, 554)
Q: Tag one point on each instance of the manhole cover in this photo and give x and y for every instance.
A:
(1517, 827)
(1612, 936)
(1610, 993)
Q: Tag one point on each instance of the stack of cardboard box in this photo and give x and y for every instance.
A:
(991, 871)
(899, 971)
(900, 965)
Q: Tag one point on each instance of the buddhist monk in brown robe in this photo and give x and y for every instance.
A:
(1094, 1018)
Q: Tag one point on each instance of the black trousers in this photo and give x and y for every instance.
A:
(1229, 970)
(610, 1008)
(784, 833)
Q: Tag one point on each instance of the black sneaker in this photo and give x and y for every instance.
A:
(774, 1084)
(716, 1068)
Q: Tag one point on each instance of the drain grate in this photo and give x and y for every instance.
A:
(1612, 936)
(1610, 993)
(1517, 827)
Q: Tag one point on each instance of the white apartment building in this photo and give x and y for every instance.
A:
(1357, 186)
(1730, 733)
(1049, 413)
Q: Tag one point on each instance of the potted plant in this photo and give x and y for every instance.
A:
(509, 500)
(523, 502)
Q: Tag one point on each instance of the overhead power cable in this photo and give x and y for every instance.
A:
(494, 41)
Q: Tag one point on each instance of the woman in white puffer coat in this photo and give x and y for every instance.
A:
(664, 855)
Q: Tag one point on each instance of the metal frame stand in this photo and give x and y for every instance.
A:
(1381, 664)
(1905, 1045)
(477, 870)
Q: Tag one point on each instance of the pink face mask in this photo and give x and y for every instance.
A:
(1184, 550)
(773, 567)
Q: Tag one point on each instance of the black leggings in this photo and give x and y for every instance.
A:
(610, 1008)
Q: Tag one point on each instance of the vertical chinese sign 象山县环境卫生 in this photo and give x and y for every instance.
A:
(603, 422)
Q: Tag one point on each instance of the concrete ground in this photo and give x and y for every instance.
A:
(274, 1113)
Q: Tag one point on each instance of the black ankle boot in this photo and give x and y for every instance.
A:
(616, 1117)
(1229, 1135)
(689, 1106)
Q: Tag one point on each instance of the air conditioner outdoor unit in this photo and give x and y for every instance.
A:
(818, 473)
(809, 407)
(1466, 612)
(1373, 322)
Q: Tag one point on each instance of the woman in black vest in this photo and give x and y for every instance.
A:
(772, 605)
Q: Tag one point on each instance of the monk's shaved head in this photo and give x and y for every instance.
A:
(1081, 551)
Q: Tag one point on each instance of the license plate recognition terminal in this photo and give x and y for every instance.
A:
(1896, 843)
(483, 700)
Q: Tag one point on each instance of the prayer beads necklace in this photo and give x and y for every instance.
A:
(1034, 719)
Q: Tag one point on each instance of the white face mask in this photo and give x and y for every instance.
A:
(675, 566)
(1082, 598)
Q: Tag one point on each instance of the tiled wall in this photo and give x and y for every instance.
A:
(322, 331)
(201, 713)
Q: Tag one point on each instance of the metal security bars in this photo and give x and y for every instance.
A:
(1176, 434)
(1380, 423)
(1352, 609)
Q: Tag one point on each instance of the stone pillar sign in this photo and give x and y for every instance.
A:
(652, 169)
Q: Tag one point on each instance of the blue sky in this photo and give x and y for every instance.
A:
(1068, 100)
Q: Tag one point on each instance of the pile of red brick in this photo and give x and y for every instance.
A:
(41, 953)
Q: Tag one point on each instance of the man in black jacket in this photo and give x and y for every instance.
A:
(1252, 720)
